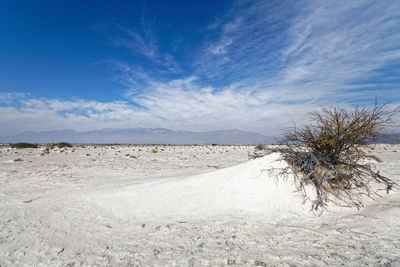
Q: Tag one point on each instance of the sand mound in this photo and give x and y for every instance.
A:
(245, 189)
(65, 209)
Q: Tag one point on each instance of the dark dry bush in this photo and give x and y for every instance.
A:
(61, 145)
(259, 147)
(328, 152)
(24, 145)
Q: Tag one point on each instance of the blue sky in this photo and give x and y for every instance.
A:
(192, 65)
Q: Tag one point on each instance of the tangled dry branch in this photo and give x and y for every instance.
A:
(329, 152)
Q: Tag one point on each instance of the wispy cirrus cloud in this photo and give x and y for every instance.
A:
(343, 43)
(271, 61)
(221, 46)
(144, 53)
(264, 64)
(247, 42)
(146, 45)
(323, 49)
(137, 43)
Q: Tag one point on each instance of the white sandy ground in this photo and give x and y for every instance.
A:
(181, 206)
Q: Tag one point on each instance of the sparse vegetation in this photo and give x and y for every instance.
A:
(45, 151)
(328, 152)
(154, 150)
(61, 145)
(24, 145)
(259, 147)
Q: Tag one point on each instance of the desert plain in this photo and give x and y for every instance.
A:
(194, 205)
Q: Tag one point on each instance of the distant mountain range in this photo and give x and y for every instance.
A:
(389, 139)
(140, 136)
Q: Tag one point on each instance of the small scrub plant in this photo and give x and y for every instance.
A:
(46, 150)
(328, 152)
(61, 145)
(259, 147)
(154, 150)
(24, 145)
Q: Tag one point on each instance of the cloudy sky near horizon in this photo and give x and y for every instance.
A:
(192, 65)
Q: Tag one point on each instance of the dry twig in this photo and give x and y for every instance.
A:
(328, 153)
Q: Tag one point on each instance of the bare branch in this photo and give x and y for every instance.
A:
(328, 152)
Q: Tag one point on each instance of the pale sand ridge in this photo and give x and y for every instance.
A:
(181, 206)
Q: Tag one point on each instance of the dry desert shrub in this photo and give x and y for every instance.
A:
(61, 145)
(328, 152)
(45, 151)
(259, 147)
(24, 145)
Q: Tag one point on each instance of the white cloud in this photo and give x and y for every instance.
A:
(9, 97)
(276, 65)
(323, 49)
(182, 104)
(342, 42)
(49, 114)
(228, 35)
(138, 44)
(221, 48)
(178, 104)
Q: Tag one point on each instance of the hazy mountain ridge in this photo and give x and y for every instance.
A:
(140, 136)
(389, 139)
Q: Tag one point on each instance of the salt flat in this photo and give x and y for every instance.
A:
(181, 206)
